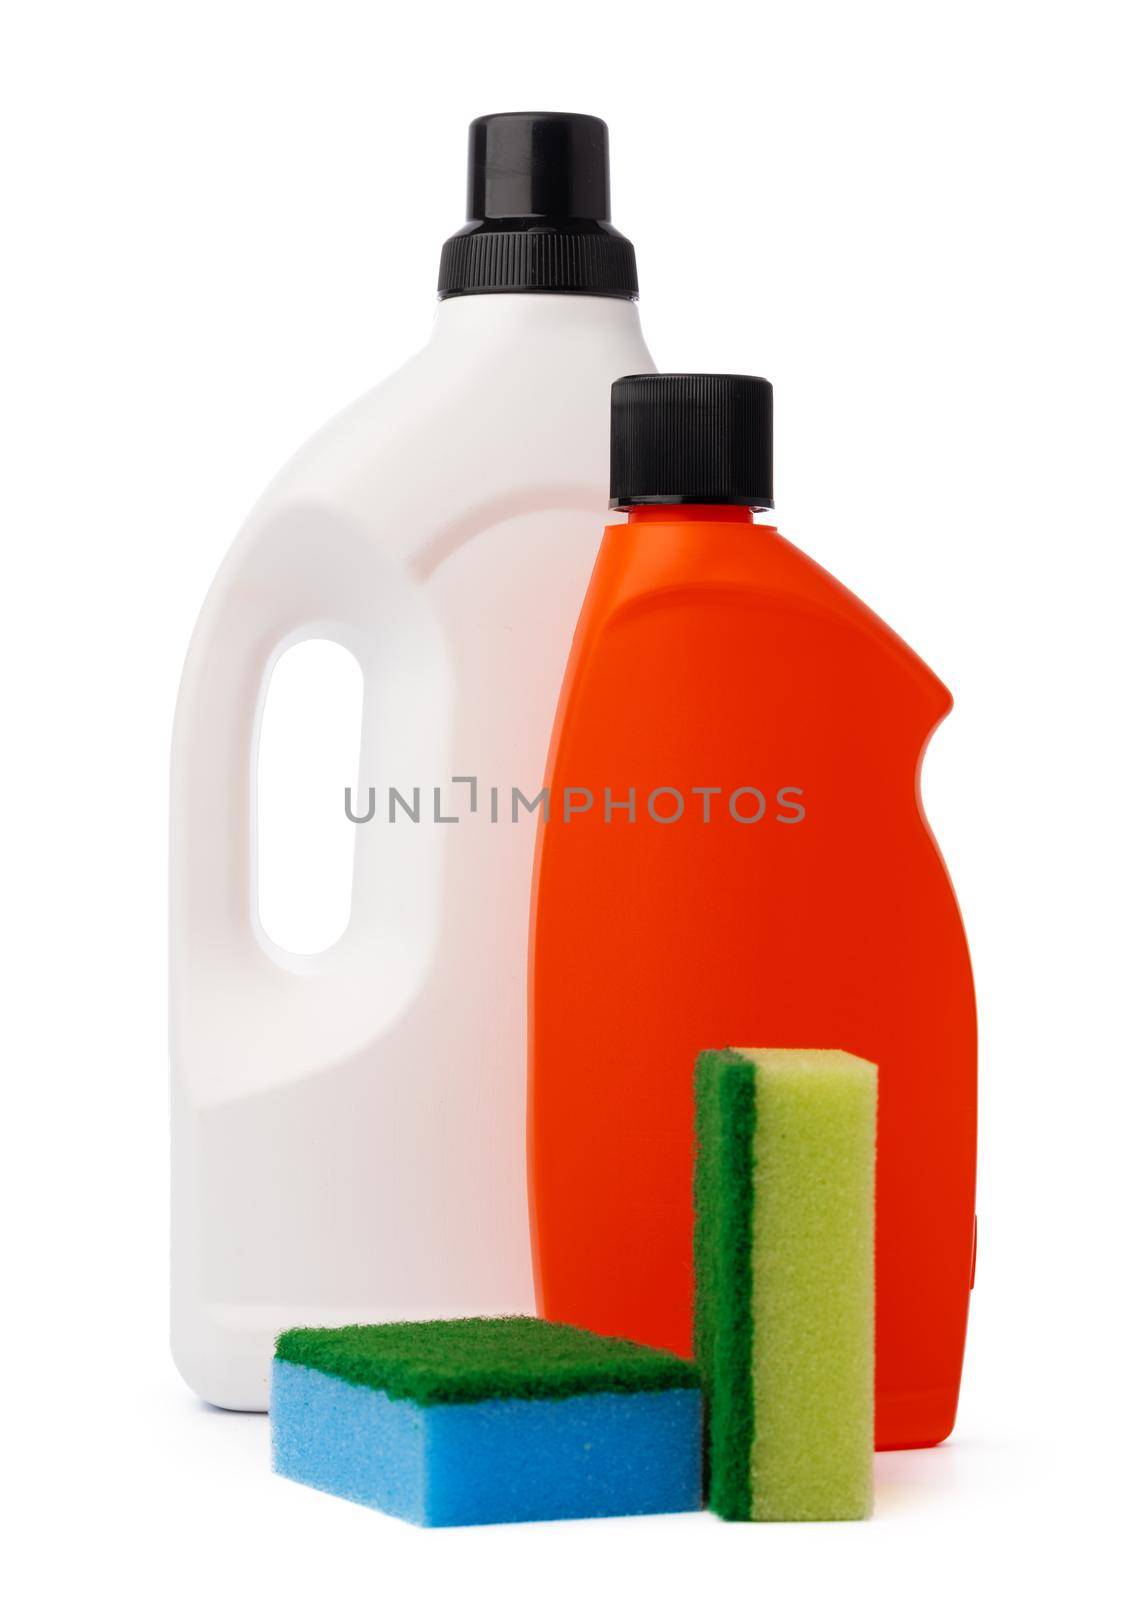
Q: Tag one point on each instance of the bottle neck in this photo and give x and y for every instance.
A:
(465, 315)
(689, 512)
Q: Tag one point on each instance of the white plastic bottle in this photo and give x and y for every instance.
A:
(348, 1128)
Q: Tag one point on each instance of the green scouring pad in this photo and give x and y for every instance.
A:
(784, 1198)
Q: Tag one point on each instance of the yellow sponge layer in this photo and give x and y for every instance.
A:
(813, 1214)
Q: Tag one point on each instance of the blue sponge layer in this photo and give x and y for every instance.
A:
(591, 1455)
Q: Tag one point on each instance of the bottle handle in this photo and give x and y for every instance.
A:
(303, 571)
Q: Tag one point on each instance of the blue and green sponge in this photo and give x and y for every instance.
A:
(487, 1419)
(784, 1200)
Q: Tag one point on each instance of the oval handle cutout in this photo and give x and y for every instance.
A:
(309, 749)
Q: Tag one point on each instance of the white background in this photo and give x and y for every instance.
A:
(920, 221)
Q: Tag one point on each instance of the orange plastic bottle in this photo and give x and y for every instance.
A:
(736, 854)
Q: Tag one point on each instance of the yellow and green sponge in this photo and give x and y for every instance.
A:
(784, 1200)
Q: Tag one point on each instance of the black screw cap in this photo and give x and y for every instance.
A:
(697, 438)
(538, 211)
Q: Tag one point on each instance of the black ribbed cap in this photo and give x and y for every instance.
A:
(539, 211)
(703, 438)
